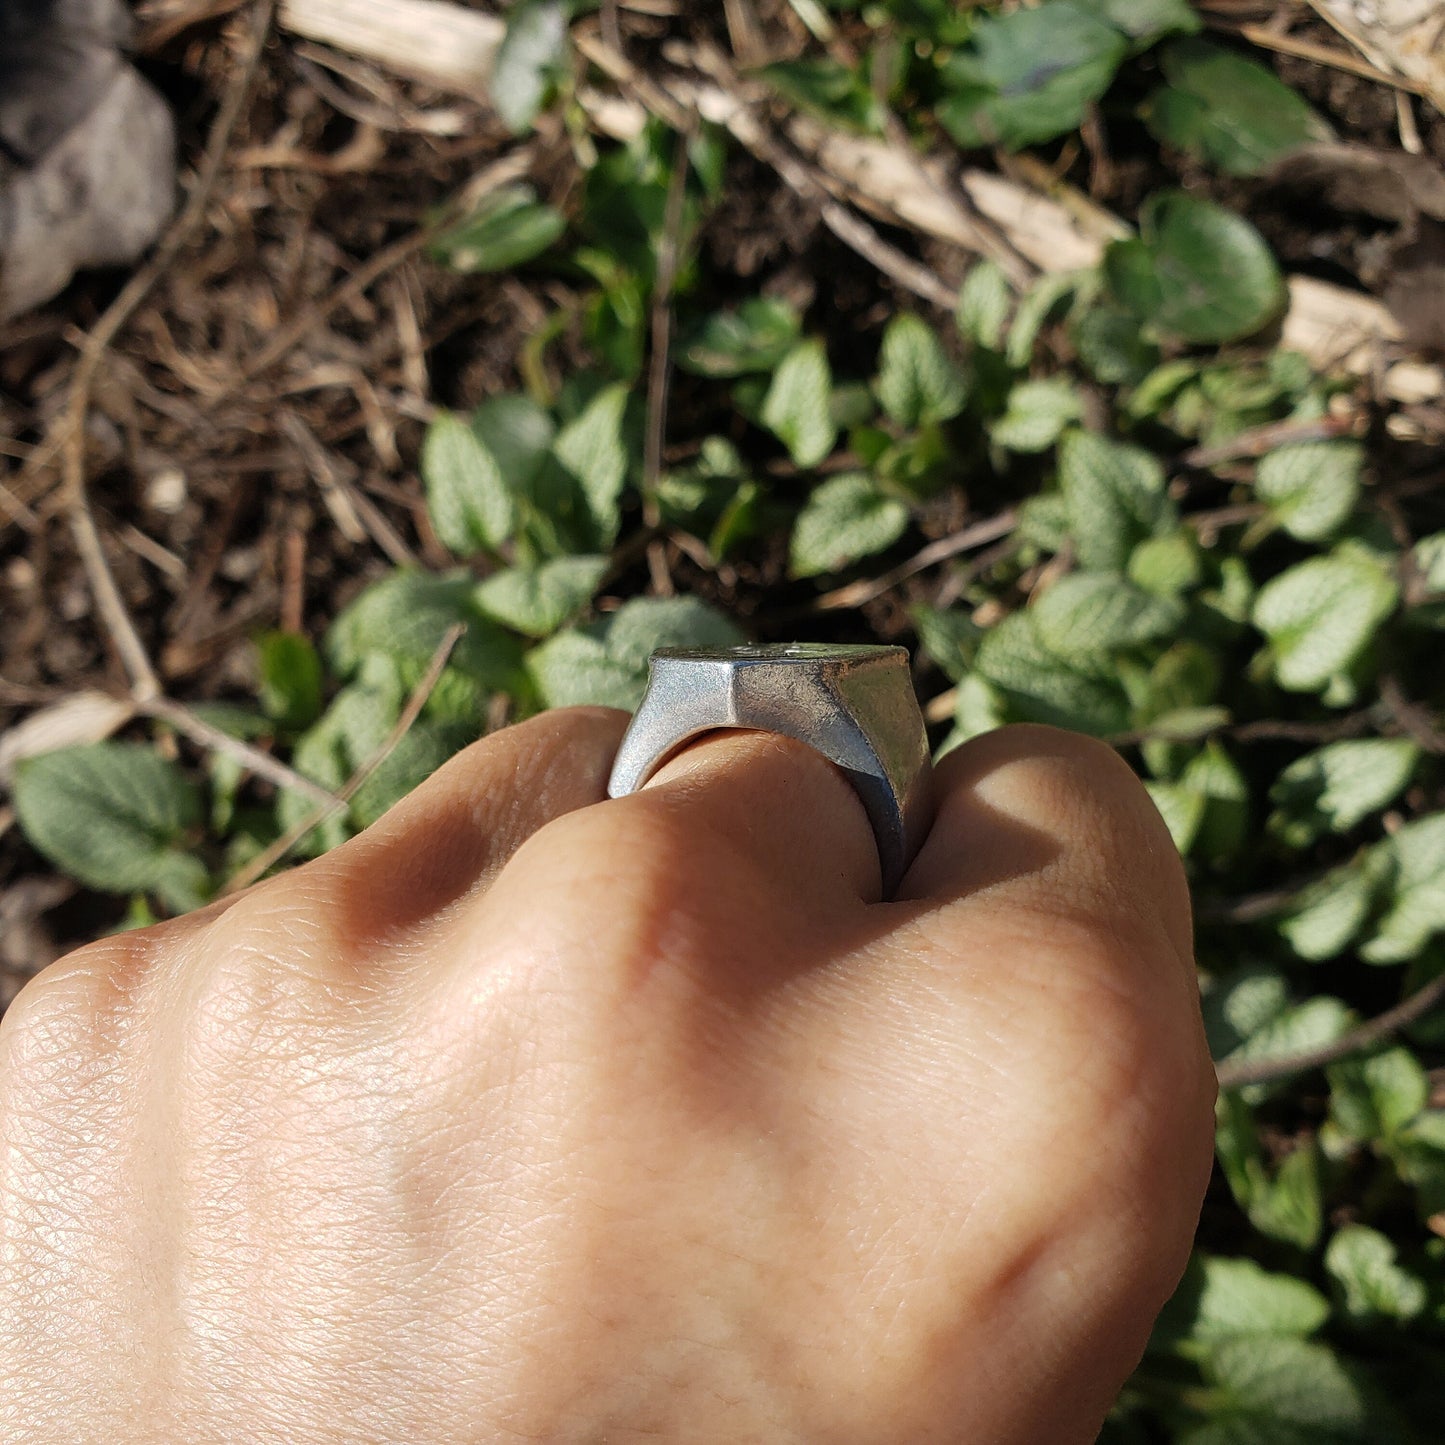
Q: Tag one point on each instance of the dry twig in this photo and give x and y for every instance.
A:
(1374, 1031)
(269, 857)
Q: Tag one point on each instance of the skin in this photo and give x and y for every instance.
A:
(529, 1116)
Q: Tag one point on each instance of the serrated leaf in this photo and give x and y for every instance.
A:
(1286, 1204)
(1325, 918)
(1167, 565)
(1321, 614)
(538, 600)
(290, 678)
(1115, 495)
(1287, 1382)
(533, 47)
(949, 638)
(510, 227)
(1228, 109)
(1196, 273)
(984, 302)
(1416, 912)
(828, 89)
(1092, 614)
(1224, 1299)
(1143, 20)
(574, 668)
(1036, 414)
(1363, 1263)
(639, 627)
(844, 518)
(1334, 788)
(918, 382)
(754, 338)
(593, 451)
(796, 408)
(422, 749)
(467, 498)
(1182, 809)
(1376, 1097)
(1030, 75)
(113, 815)
(1043, 687)
(1296, 1029)
(1311, 487)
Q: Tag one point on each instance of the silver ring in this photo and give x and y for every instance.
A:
(854, 705)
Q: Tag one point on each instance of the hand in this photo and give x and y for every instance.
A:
(530, 1116)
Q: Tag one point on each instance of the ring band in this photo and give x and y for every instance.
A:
(854, 705)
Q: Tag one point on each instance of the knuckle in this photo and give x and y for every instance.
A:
(75, 1004)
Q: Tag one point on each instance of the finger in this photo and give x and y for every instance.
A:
(1037, 819)
(748, 845)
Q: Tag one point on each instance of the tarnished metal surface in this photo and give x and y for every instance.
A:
(854, 705)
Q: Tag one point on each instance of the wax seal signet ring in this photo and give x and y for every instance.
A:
(854, 705)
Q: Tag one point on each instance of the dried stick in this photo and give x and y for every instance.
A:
(199, 731)
(509, 168)
(1324, 55)
(269, 857)
(855, 594)
(145, 685)
(1373, 1031)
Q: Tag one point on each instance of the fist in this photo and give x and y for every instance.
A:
(528, 1115)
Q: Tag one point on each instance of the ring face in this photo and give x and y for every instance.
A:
(853, 704)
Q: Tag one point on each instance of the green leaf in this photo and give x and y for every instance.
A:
(1212, 774)
(1284, 1205)
(290, 678)
(1416, 912)
(423, 748)
(1115, 495)
(984, 302)
(1321, 614)
(593, 451)
(1196, 273)
(114, 816)
(1036, 415)
(508, 228)
(1167, 565)
(1042, 686)
(754, 338)
(1109, 344)
(1372, 1284)
(1225, 1299)
(829, 89)
(639, 627)
(948, 638)
(538, 600)
(1295, 1029)
(1092, 614)
(608, 667)
(1335, 788)
(1039, 305)
(533, 49)
(1030, 75)
(1311, 487)
(1228, 109)
(1276, 1383)
(796, 408)
(918, 383)
(1143, 20)
(1376, 1097)
(844, 518)
(1327, 916)
(1182, 809)
(467, 497)
(517, 434)
(574, 668)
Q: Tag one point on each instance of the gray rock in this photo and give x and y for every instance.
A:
(87, 148)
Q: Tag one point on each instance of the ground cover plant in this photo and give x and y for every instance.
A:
(440, 412)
